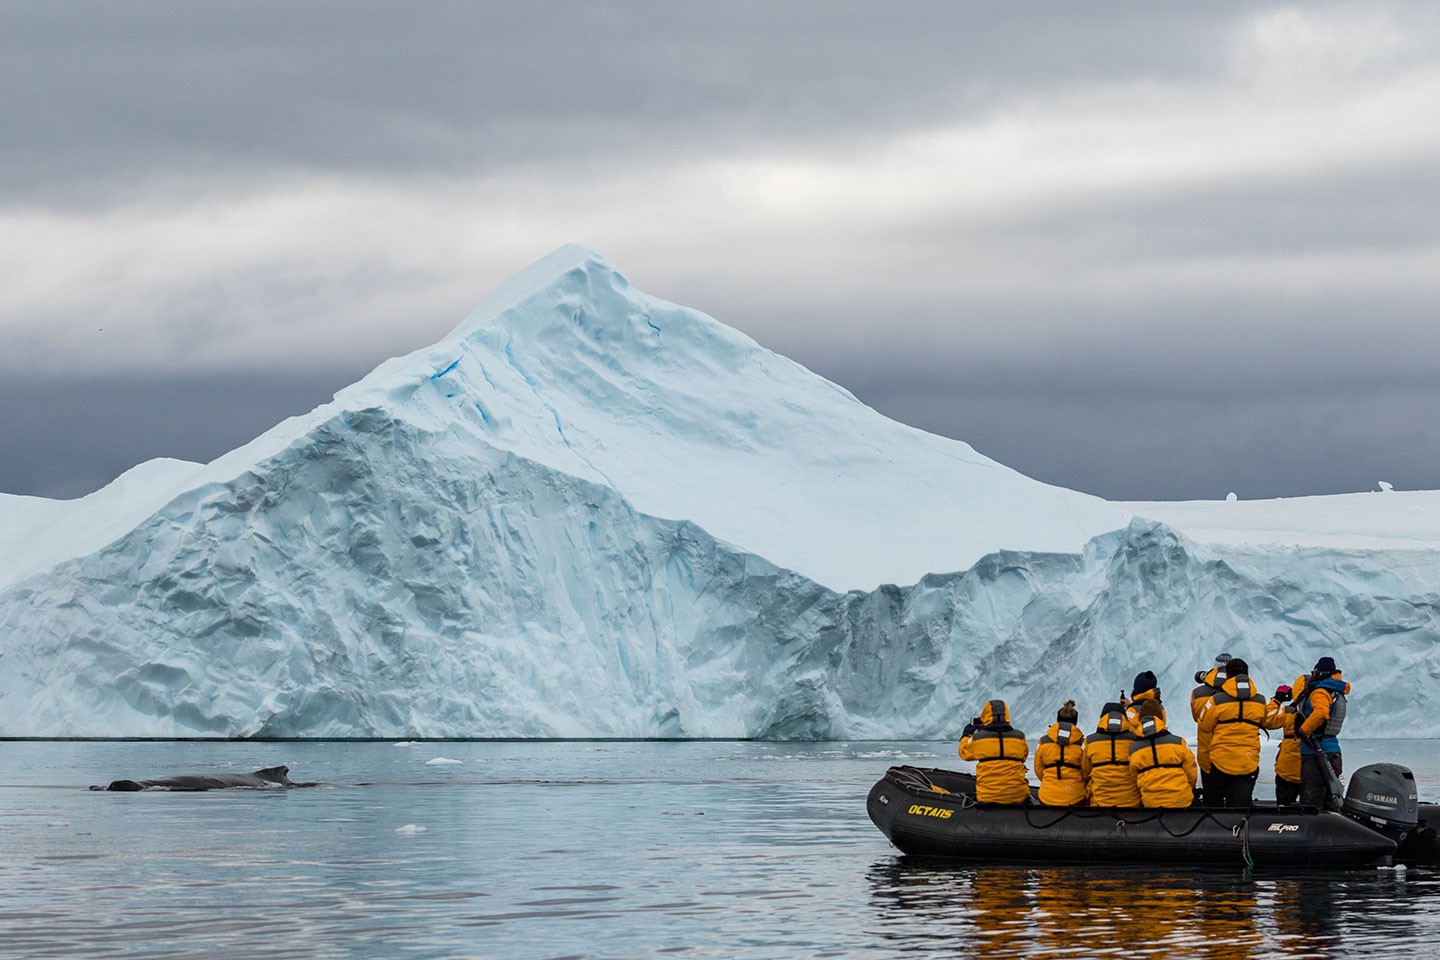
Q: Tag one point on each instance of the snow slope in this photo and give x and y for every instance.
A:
(588, 512)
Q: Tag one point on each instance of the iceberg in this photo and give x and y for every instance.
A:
(588, 512)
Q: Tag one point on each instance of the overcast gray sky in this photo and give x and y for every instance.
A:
(1143, 250)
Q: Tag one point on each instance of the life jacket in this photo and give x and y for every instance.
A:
(1058, 765)
(1327, 735)
(1287, 761)
(1230, 725)
(1164, 766)
(1132, 712)
(1109, 781)
(998, 751)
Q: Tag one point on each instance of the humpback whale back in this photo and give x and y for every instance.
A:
(269, 778)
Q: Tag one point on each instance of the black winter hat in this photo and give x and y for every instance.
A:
(1324, 667)
(1144, 680)
(1235, 667)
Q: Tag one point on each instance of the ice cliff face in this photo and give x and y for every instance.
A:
(591, 513)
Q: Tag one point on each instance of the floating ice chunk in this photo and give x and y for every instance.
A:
(1230, 497)
(411, 829)
(58, 823)
(442, 762)
(407, 743)
(1386, 487)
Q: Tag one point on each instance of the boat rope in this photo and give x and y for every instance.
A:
(1089, 813)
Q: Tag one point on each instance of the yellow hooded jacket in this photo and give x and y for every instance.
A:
(1106, 763)
(998, 751)
(1058, 764)
(1164, 766)
(1209, 685)
(1132, 712)
(1231, 722)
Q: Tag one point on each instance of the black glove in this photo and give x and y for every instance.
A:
(1199, 676)
(969, 729)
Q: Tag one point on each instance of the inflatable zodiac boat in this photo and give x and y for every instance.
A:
(927, 812)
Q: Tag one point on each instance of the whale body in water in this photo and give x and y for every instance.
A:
(270, 778)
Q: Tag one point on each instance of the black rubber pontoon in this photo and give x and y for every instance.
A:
(929, 812)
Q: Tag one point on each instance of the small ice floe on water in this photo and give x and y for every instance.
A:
(407, 743)
(1386, 487)
(442, 762)
(337, 820)
(1230, 497)
(411, 829)
(58, 823)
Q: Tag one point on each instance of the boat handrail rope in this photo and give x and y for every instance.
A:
(1088, 813)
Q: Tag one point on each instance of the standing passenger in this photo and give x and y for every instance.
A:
(1207, 685)
(1058, 760)
(1322, 714)
(1287, 761)
(1106, 764)
(1231, 721)
(1163, 764)
(999, 752)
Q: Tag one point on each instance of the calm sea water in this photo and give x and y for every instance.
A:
(606, 850)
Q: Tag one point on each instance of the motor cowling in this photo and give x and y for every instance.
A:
(1382, 796)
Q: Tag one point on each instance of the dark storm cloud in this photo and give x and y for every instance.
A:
(1184, 444)
(75, 434)
(103, 97)
(1149, 251)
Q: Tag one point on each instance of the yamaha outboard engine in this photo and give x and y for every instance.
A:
(1382, 796)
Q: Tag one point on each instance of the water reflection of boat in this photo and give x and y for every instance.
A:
(934, 813)
(1136, 913)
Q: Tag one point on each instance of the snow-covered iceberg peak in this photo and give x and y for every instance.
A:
(569, 366)
(688, 419)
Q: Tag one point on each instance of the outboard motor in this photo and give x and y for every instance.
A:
(1382, 797)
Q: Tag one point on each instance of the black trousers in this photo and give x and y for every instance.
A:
(1314, 785)
(1229, 789)
(1286, 791)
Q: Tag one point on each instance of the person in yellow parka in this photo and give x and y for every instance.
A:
(1287, 761)
(1106, 762)
(1232, 720)
(1164, 766)
(1058, 760)
(1207, 684)
(1145, 687)
(998, 751)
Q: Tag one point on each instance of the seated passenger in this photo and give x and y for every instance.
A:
(1164, 766)
(1058, 760)
(999, 752)
(1109, 781)
(1146, 687)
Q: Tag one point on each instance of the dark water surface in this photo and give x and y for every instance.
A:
(544, 849)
